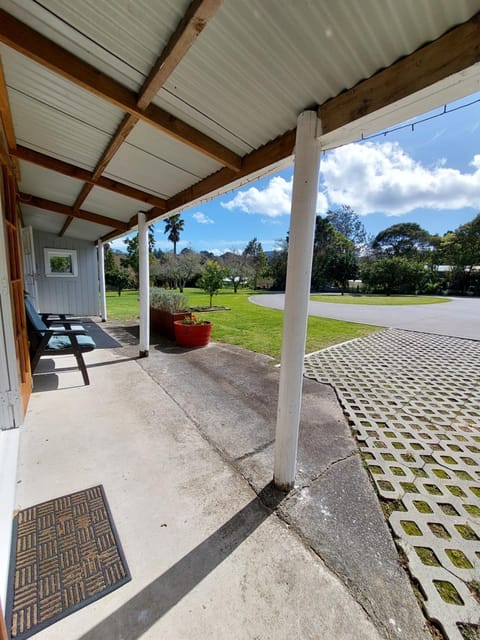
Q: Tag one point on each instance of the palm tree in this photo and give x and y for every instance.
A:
(173, 226)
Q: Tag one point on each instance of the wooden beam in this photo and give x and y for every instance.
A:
(192, 24)
(72, 171)
(194, 21)
(7, 131)
(66, 224)
(115, 143)
(37, 47)
(452, 53)
(272, 152)
(190, 27)
(109, 236)
(5, 112)
(85, 190)
(63, 209)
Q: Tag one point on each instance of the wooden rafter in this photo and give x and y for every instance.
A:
(452, 53)
(5, 113)
(72, 171)
(63, 209)
(196, 18)
(37, 47)
(190, 27)
(7, 132)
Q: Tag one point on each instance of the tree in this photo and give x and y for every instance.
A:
(322, 244)
(212, 278)
(237, 269)
(394, 275)
(108, 259)
(174, 226)
(334, 257)
(341, 263)
(178, 270)
(119, 279)
(132, 258)
(257, 258)
(347, 222)
(278, 265)
(406, 239)
(461, 250)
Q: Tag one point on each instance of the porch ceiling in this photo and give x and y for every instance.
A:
(103, 128)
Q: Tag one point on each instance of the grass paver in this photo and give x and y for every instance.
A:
(423, 389)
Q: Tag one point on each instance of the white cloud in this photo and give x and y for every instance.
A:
(118, 245)
(383, 178)
(201, 218)
(272, 201)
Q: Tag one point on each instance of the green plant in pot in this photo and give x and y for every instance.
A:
(192, 331)
(165, 308)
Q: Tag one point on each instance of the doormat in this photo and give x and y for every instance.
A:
(65, 555)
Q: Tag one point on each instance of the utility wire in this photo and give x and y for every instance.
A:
(412, 125)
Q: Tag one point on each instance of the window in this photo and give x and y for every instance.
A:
(61, 263)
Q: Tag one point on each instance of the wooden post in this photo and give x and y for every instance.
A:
(101, 280)
(299, 268)
(144, 284)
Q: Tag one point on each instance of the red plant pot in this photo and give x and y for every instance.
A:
(192, 335)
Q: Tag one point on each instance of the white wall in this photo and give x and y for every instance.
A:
(77, 295)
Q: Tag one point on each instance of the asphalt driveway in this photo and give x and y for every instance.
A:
(460, 317)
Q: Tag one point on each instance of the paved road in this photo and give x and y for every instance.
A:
(460, 317)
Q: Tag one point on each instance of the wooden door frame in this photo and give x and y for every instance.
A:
(11, 231)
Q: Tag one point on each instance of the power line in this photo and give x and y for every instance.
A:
(412, 125)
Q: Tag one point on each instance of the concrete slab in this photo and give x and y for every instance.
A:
(231, 395)
(208, 558)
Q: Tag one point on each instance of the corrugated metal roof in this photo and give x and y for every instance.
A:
(40, 219)
(112, 205)
(166, 148)
(48, 184)
(253, 69)
(277, 57)
(87, 230)
(147, 171)
(121, 38)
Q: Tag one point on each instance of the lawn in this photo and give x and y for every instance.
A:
(247, 325)
(337, 298)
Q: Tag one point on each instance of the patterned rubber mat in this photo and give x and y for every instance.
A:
(413, 400)
(65, 555)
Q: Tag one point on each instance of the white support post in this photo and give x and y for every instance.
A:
(144, 284)
(101, 280)
(299, 268)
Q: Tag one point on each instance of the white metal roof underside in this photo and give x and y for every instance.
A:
(247, 76)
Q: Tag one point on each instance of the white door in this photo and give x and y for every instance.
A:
(29, 265)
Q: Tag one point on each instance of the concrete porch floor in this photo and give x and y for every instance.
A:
(182, 442)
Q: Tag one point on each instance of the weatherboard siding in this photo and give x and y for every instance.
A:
(77, 295)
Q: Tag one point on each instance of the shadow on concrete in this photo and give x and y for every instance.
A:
(107, 363)
(141, 612)
(44, 382)
(101, 338)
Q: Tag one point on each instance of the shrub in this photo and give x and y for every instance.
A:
(171, 301)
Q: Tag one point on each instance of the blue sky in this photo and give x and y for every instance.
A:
(430, 175)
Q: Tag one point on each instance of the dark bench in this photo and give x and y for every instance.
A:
(47, 338)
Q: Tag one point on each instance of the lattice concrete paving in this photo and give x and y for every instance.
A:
(413, 400)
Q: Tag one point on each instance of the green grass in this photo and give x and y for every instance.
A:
(124, 307)
(247, 325)
(337, 298)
